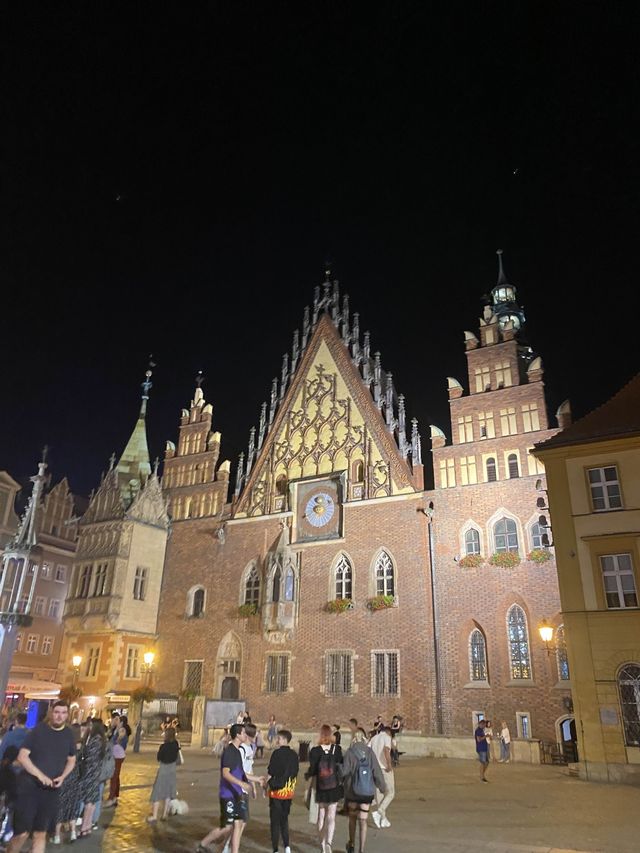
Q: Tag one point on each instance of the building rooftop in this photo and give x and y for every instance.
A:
(618, 417)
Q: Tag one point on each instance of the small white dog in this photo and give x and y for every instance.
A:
(178, 807)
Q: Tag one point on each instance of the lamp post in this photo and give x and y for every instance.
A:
(546, 634)
(76, 660)
(147, 666)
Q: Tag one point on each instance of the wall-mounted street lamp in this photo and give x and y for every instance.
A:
(546, 634)
(148, 658)
(147, 667)
(76, 660)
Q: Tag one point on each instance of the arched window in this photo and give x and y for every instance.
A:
(629, 687)
(491, 470)
(343, 578)
(472, 541)
(561, 655)
(281, 485)
(514, 471)
(252, 587)
(385, 575)
(289, 585)
(536, 536)
(505, 535)
(197, 604)
(277, 581)
(477, 656)
(519, 655)
(358, 472)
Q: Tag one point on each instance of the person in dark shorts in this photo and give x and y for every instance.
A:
(482, 748)
(234, 792)
(47, 756)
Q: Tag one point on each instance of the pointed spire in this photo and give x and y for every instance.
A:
(156, 465)
(316, 305)
(355, 339)
(346, 335)
(239, 474)
(295, 351)
(26, 534)
(274, 400)
(251, 450)
(502, 279)
(335, 303)
(112, 461)
(263, 424)
(284, 375)
(388, 402)
(366, 357)
(305, 328)
(402, 427)
(377, 376)
(134, 465)
(416, 444)
(147, 386)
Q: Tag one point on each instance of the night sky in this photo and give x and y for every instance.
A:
(174, 184)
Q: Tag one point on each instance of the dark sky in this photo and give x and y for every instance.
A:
(174, 183)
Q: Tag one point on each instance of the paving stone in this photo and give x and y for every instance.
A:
(440, 807)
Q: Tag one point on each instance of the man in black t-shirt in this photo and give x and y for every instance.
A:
(47, 756)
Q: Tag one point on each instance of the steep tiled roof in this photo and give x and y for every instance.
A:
(619, 416)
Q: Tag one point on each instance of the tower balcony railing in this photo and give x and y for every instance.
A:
(92, 606)
(8, 617)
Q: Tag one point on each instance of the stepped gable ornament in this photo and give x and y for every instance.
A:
(361, 395)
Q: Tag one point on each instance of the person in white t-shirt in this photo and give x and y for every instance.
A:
(505, 744)
(381, 745)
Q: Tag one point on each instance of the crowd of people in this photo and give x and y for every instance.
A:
(53, 778)
(357, 782)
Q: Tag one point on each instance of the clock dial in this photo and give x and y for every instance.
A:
(319, 509)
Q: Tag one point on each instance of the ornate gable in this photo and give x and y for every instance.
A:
(329, 422)
(106, 504)
(150, 505)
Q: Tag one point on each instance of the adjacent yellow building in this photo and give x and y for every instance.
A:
(593, 478)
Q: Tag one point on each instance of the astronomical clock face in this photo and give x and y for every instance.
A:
(318, 511)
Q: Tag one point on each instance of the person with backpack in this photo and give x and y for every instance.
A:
(325, 771)
(282, 775)
(361, 775)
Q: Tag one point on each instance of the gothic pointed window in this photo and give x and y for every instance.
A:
(197, 608)
(536, 536)
(343, 578)
(385, 575)
(276, 584)
(561, 655)
(477, 656)
(289, 585)
(505, 535)
(252, 587)
(472, 541)
(519, 653)
(491, 470)
(514, 470)
(629, 687)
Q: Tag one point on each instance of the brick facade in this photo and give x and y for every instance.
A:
(335, 431)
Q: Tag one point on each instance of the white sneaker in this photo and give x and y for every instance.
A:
(55, 839)
(385, 823)
(376, 818)
(287, 850)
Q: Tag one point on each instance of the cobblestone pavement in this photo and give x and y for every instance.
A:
(440, 806)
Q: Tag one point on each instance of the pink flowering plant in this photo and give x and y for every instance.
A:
(471, 561)
(539, 555)
(505, 559)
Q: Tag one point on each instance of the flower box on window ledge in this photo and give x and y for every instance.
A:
(471, 561)
(505, 559)
(246, 610)
(381, 602)
(539, 555)
(339, 605)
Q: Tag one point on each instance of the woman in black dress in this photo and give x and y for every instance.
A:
(325, 762)
(93, 750)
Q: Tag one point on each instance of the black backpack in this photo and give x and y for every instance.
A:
(328, 771)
